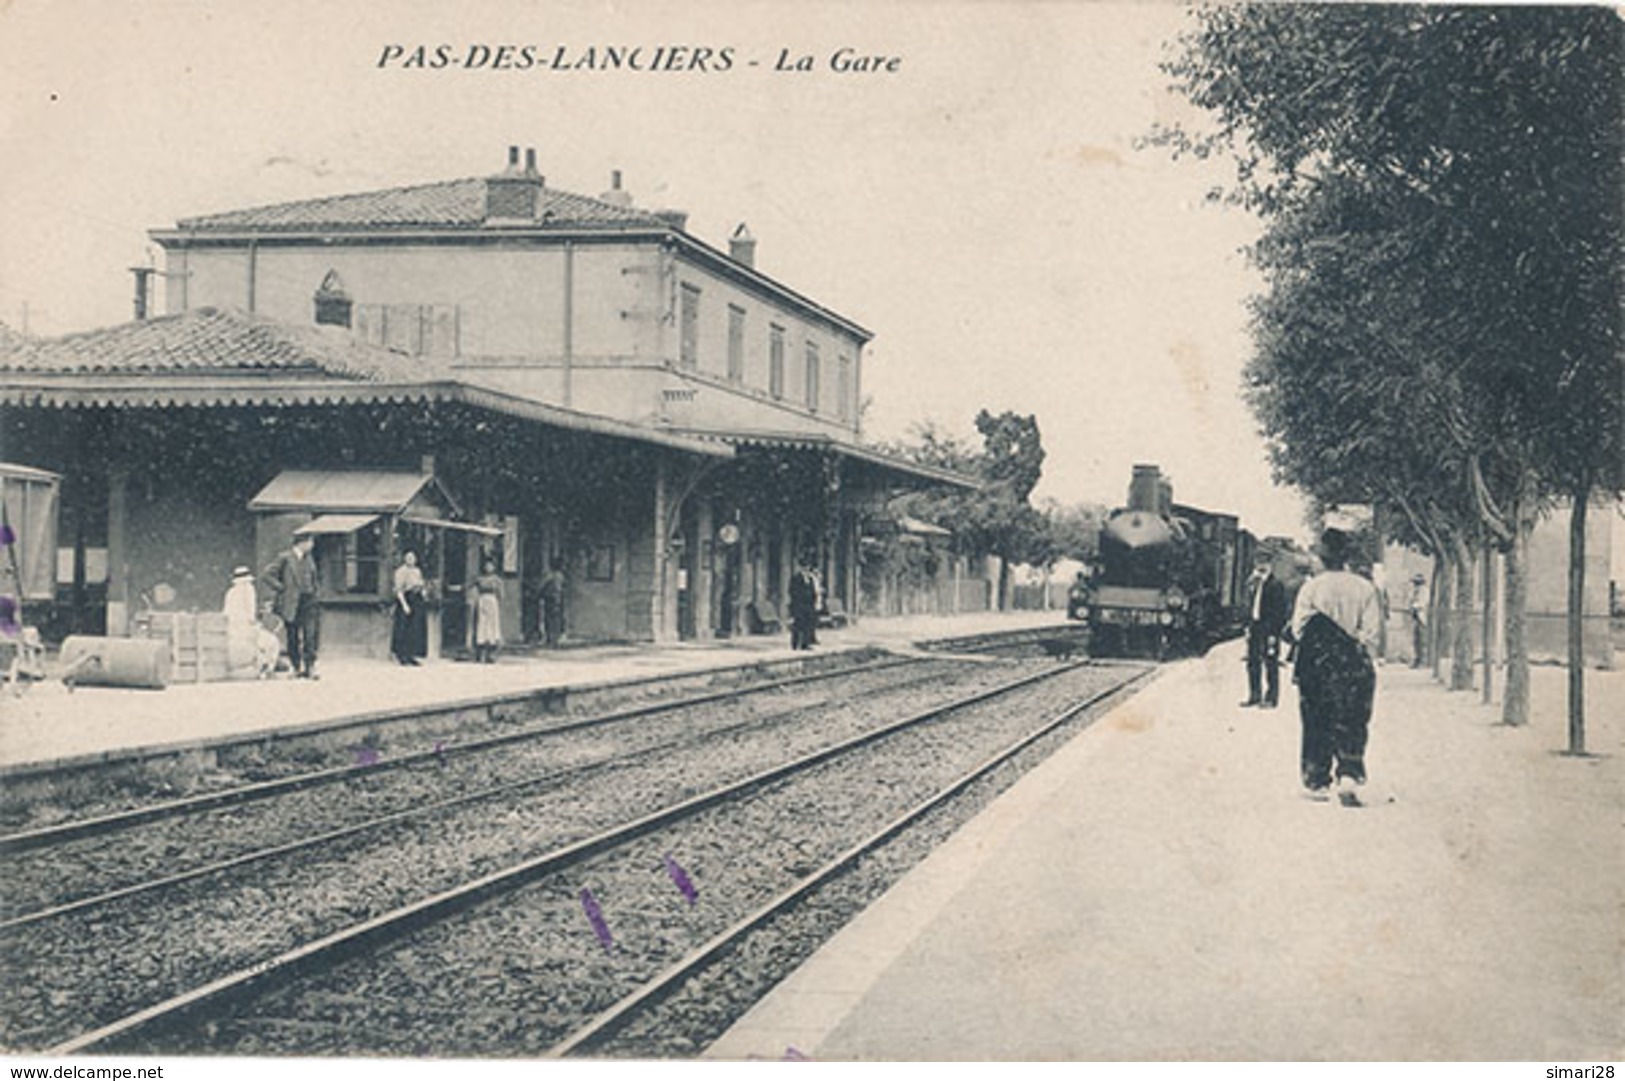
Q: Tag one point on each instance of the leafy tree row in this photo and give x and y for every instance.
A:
(1440, 334)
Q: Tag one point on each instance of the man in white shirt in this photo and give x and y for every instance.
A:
(1336, 622)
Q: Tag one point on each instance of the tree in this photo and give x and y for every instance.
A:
(1442, 187)
(1074, 531)
(998, 519)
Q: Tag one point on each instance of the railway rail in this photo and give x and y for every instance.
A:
(313, 959)
(137, 941)
(99, 824)
(601, 1033)
(106, 877)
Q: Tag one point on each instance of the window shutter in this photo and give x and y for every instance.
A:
(442, 323)
(403, 328)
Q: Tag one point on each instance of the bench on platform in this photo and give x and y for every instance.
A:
(763, 618)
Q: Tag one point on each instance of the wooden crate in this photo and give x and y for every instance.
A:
(197, 644)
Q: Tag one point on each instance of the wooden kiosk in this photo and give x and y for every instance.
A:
(364, 522)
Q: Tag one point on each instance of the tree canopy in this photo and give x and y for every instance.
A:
(1442, 191)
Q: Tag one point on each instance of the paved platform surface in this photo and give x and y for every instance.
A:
(1161, 890)
(48, 723)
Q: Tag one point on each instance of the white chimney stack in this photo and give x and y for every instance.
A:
(616, 195)
(742, 246)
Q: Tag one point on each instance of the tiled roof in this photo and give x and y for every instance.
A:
(208, 358)
(450, 203)
(209, 340)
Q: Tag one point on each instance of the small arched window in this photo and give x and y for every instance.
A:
(332, 302)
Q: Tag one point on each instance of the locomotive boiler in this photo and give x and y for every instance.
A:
(1169, 577)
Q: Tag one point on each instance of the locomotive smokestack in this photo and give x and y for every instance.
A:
(1144, 490)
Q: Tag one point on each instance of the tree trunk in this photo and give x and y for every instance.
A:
(1487, 624)
(1577, 659)
(1515, 704)
(1439, 626)
(1461, 653)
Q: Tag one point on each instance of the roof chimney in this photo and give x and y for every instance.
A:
(512, 194)
(616, 195)
(742, 246)
(143, 289)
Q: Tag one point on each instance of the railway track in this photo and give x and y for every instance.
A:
(100, 955)
(109, 876)
(367, 765)
(607, 1032)
(207, 1017)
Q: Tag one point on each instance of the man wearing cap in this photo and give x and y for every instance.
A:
(292, 580)
(804, 606)
(1266, 615)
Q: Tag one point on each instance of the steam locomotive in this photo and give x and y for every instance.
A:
(1170, 577)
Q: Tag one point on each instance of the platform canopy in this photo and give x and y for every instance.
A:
(335, 523)
(328, 491)
(886, 470)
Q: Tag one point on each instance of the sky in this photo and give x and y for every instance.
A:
(982, 207)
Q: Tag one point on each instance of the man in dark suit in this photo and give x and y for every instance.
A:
(293, 581)
(804, 603)
(1266, 615)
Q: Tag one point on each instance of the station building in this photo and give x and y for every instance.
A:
(476, 369)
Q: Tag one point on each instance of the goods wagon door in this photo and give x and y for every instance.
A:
(28, 515)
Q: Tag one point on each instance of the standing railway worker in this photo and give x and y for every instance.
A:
(293, 581)
(1335, 623)
(1266, 616)
(803, 606)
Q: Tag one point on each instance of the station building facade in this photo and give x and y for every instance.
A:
(585, 384)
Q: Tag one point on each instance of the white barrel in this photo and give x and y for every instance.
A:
(115, 662)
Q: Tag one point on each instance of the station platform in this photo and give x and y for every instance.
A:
(48, 726)
(1162, 890)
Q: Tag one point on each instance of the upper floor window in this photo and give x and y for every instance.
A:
(736, 343)
(775, 361)
(843, 387)
(812, 377)
(690, 322)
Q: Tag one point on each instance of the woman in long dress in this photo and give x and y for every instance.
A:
(487, 614)
(409, 629)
